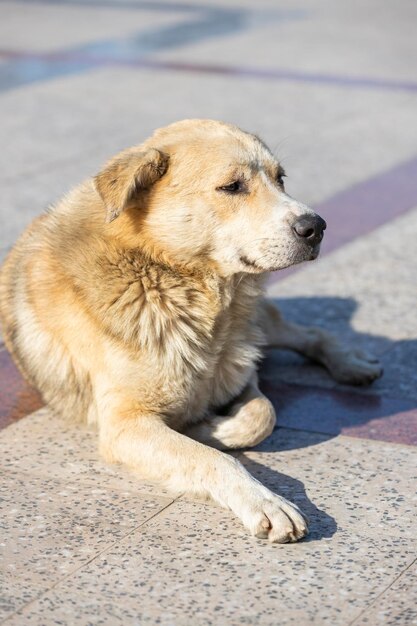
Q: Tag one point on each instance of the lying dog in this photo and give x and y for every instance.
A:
(137, 304)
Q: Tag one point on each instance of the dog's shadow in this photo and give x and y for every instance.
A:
(334, 314)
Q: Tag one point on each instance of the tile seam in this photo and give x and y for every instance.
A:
(383, 592)
(86, 563)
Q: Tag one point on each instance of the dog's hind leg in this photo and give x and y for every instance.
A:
(250, 419)
(345, 364)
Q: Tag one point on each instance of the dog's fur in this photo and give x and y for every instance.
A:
(137, 304)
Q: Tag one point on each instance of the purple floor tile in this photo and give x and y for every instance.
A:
(338, 412)
(17, 397)
(360, 209)
(74, 61)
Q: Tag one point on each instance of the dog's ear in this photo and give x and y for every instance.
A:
(125, 176)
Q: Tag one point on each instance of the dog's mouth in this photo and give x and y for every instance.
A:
(306, 253)
(254, 266)
(249, 263)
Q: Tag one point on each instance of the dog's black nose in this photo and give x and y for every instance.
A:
(310, 228)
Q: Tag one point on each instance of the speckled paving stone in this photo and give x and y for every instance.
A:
(341, 482)
(50, 528)
(195, 564)
(66, 609)
(397, 606)
(47, 445)
(14, 594)
(352, 458)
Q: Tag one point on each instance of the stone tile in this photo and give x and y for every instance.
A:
(400, 371)
(398, 380)
(390, 37)
(397, 358)
(17, 397)
(279, 367)
(292, 123)
(366, 319)
(195, 564)
(341, 453)
(50, 528)
(83, 25)
(46, 445)
(64, 607)
(24, 203)
(334, 411)
(397, 606)
(341, 483)
(14, 595)
(398, 427)
(393, 191)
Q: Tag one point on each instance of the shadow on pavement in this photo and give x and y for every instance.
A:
(316, 410)
(306, 398)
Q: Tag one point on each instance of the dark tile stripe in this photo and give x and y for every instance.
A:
(27, 67)
(17, 398)
(333, 412)
(280, 74)
(362, 208)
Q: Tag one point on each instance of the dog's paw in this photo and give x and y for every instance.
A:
(274, 518)
(357, 368)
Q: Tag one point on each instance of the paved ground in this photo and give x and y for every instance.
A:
(332, 87)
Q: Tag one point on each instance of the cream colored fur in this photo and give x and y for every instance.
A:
(137, 304)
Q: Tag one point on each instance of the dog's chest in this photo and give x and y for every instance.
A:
(195, 342)
(225, 375)
(226, 360)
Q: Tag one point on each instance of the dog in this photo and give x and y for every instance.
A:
(137, 304)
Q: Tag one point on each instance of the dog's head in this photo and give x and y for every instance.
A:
(201, 190)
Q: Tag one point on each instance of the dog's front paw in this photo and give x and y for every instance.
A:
(356, 368)
(269, 516)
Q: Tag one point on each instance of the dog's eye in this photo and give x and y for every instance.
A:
(280, 179)
(234, 187)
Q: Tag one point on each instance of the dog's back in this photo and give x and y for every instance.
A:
(28, 287)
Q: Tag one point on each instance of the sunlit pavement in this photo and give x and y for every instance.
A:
(332, 88)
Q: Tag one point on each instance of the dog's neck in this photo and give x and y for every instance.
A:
(200, 269)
